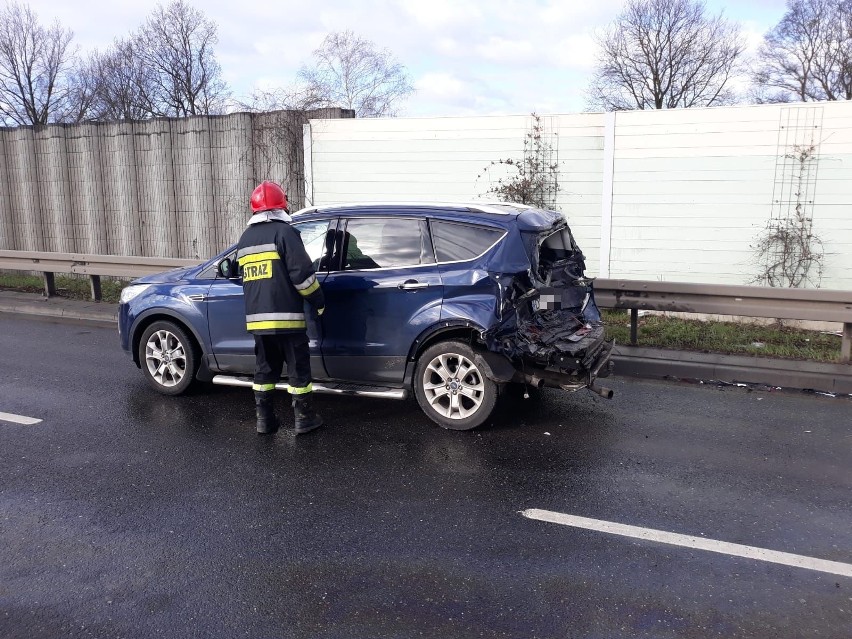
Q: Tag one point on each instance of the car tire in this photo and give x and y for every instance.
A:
(168, 357)
(451, 388)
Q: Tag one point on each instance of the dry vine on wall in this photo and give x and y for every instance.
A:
(532, 179)
(276, 152)
(788, 251)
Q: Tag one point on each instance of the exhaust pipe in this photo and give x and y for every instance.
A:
(603, 391)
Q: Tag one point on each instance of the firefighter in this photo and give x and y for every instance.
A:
(278, 278)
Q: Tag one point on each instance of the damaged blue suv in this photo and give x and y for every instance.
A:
(454, 303)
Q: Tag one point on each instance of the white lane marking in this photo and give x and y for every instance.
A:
(675, 539)
(18, 419)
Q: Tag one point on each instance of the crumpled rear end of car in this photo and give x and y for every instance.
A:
(551, 328)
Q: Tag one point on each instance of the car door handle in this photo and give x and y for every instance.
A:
(197, 297)
(413, 285)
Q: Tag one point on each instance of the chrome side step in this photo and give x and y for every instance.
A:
(325, 388)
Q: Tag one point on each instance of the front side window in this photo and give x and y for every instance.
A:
(317, 240)
(384, 243)
(460, 242)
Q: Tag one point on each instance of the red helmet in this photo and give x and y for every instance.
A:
(268, 196)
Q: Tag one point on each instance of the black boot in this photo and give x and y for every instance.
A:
(265, 410)
(306, 419)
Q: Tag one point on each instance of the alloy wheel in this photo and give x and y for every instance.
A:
(165, 357)
(453, 386)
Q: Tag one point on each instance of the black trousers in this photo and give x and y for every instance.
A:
(272, 352)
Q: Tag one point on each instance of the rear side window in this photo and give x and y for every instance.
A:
(460, 242)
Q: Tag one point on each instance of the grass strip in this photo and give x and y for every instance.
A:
(75, 288)
(732, 338)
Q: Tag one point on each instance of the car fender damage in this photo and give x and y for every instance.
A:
(547, 327)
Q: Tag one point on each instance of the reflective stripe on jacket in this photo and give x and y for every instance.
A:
(278, 278)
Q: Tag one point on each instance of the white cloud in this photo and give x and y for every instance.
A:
(564, 13)
(445, 93)
(440, 14)
(506, 50)
(441, 85)
(576, 51)
(450, 47)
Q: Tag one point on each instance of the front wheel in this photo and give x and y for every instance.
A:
(168, 357)
(451, 389)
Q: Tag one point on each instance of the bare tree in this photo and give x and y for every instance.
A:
(665, 54)
(292, 98)
(124, 86)
(34, 62)
(808, 54)
(175, 49)
(83, 91)
(166, 68)
(352, 73)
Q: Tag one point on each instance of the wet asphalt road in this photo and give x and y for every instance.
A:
(129, 514)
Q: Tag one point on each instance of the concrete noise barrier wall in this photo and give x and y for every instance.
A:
(175, 187)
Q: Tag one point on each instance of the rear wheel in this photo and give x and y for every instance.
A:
(451, 389)
(168, 357)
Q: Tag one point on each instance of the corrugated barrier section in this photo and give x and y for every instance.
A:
(174, 188)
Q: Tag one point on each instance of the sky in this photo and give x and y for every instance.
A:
(464, 57)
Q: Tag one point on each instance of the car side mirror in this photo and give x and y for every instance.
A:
(228, 269)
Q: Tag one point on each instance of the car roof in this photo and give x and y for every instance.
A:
(498, 210)
(501, 213)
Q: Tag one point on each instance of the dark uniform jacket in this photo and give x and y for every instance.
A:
(278, 277)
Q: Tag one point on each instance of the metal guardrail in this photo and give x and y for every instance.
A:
(94, 266)
(748, 301)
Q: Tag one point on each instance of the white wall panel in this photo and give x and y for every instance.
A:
(692, 189)
(445, 159)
